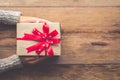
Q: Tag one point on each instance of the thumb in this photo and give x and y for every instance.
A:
(25, 19)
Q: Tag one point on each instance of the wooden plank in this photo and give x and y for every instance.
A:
(65, 3)
(65, 72)
(81, 17)
(84, 49)
(84, 19)
(93, 31)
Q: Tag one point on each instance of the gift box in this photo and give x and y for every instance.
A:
(38, 39)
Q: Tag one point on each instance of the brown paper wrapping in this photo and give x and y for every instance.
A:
(27, 28)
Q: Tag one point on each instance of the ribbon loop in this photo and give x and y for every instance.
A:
(30, 37)
(53, 34)
(37, 32)
(33, 47)
(45, 28)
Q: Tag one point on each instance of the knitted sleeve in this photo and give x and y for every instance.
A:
(9, 17)
(10, 63)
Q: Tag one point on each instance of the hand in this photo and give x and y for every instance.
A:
(25, 19)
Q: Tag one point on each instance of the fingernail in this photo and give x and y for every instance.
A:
(37, 21)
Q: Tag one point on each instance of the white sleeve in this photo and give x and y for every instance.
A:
(9, 63)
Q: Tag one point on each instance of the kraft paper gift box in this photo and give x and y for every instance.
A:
(23, 28)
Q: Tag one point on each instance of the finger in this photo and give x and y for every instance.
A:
(32, 60)
(26, 59)
(42, 21)
(36, 20)
(40, 59)
(29, 21)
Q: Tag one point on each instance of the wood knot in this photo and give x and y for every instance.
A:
(99, 43)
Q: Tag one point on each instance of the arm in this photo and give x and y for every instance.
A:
(12, 18)
(9, 63)
(9, 17)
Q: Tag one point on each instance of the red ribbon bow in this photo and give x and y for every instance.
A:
(46, 40)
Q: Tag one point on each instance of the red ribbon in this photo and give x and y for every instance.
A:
(45, 39)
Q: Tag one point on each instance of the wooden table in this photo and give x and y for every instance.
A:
(92, 26)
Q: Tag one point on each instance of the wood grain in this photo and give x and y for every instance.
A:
(95, 33)
(93, 25)
(65, 72)
(79, 19)
(59, 3)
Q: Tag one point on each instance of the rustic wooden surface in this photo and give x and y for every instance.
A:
(93, 31)
(92, 25)
(58, 3)
(65, 72)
